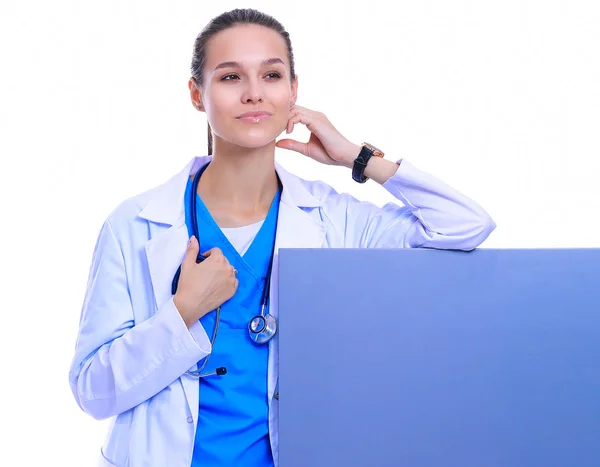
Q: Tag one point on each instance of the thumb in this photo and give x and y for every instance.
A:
(191, 252)
(292, 145)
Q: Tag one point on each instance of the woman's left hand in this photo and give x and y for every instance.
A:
(326, 144)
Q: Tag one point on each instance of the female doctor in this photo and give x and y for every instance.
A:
(177, 339)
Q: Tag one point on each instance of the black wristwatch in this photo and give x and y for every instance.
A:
(360, 163)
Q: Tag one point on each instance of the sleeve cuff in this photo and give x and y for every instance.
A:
(195, 336)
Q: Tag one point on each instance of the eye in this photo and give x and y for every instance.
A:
(229, 77)
(274, 75)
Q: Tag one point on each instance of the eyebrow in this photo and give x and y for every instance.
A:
(269, 61)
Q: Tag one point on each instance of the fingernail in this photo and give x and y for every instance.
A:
(191, 239)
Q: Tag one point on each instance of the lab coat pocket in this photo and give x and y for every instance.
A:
(116, 446)
(104, 462)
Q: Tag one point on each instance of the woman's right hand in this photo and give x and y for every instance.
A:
(203, 286)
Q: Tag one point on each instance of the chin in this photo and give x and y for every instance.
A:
(254, 139)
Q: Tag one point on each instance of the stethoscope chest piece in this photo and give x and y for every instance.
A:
(262, 328)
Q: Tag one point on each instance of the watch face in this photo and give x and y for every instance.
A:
(376, 152)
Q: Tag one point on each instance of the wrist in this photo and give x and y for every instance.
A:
(369, 163)
(380, 170)
(353, 152)
(182, 309)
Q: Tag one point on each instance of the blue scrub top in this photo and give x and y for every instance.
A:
(233, 413)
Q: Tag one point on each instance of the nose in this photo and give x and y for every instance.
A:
(253, 93)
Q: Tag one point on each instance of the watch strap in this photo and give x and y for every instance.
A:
(360, 164)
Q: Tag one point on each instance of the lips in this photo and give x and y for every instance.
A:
(255, 116)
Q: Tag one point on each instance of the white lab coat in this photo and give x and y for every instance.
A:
(133, 348)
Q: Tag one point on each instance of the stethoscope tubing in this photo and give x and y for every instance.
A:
(269, 324)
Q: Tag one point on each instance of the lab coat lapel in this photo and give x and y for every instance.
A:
(166, 248)
(164, 253)
(296, 228)
(166, 215)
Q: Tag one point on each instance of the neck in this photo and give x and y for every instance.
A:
(240, 178)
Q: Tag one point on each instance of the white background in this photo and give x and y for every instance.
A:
(498, 99)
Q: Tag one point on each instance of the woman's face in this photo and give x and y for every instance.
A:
(247, 91)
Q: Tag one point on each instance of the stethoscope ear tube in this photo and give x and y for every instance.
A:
(175, 281)
(262, 327)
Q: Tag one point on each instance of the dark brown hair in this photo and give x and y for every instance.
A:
(226, 21)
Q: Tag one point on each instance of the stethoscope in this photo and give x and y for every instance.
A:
(261, 327)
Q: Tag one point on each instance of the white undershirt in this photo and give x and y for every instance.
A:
(241, 237)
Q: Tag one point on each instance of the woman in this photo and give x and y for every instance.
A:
(155, 340)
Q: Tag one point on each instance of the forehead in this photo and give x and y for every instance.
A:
(247, 44)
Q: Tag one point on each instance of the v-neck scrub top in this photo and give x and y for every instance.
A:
(233, 409)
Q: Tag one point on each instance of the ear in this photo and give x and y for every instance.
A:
(294, 96)
(195, 94)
